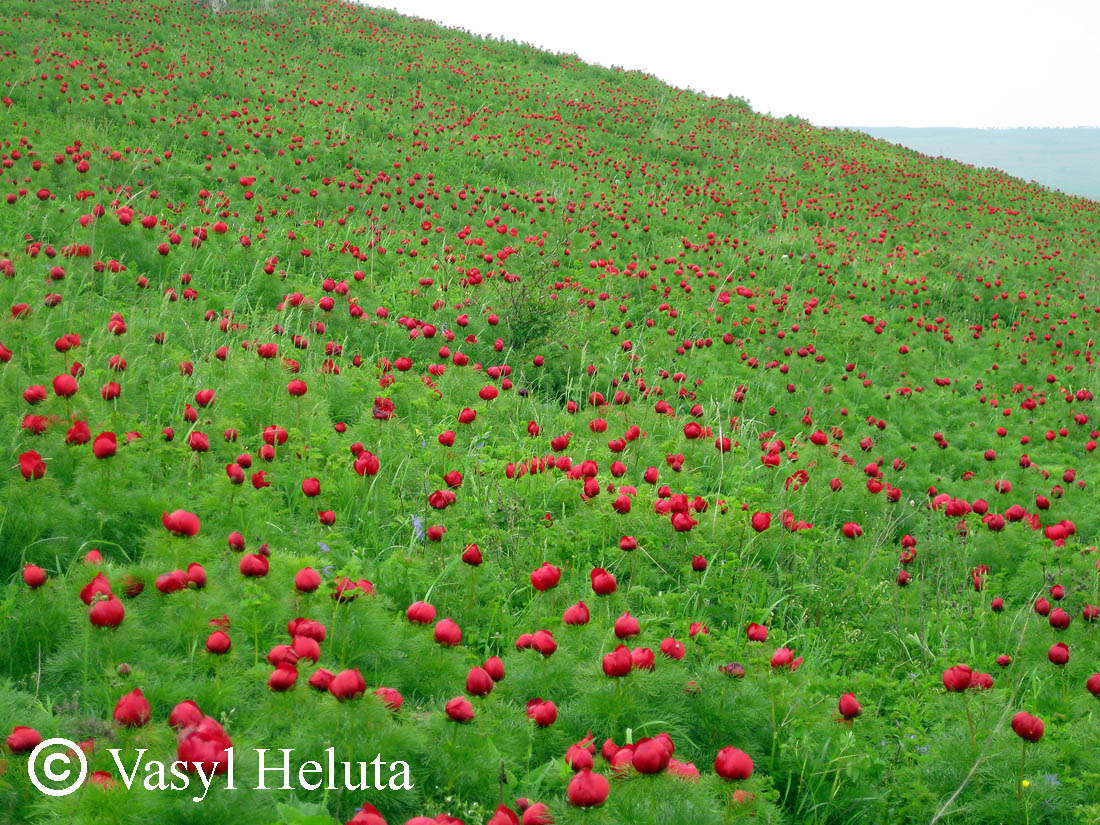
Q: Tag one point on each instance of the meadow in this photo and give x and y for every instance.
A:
(599, 451)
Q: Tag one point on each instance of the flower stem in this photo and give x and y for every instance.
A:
(1020, 782)
(970, 722)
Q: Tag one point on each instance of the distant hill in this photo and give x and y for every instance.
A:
(1064, 159)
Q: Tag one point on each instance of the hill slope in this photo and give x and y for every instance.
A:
(481, 361)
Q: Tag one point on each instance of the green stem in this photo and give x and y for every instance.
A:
(1020, 783)
(775, 733)
(84, 685)
(970, 721)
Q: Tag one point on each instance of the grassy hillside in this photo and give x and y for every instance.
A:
(360, 376)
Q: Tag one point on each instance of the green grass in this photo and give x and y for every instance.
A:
(765, 271)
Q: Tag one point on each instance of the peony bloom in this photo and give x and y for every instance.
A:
(543, 713)
(185, 715)
(34, 576)
(98, 586)
(104, 446)
(204, 746)
(181, 522)
(783, 657)
(682, 522)
(346, 590)
(283, 678)
(132, 710)
(618, 662)
(495, 668)
(306, 627)
(132, 586)
(588, 789)
(849, 707)
(31, 466)
(579, 758)
(734, 670)
(642, 658)
(172, 582)
(282, 653)
(478, 682)
(472, 555)
(254, 565)
(1059, 619)
(545, 577)
(683, 770)
(107, 612)
(757, 632)
(23, 739)
(544, 642)
(503, 816)
(79, 434)
(1058, 653)
(307, 580)
(672, 648)
(367, 815)
(390, 698)
(576, 614)
(1027, 727)
(603, 583)
(420, 613)
(347, 684)
(34, 394)
(731, 763)
(447, 633)
(650, 756)
(383, 409)
(537, 814)
(459, 710)
(957, 678)
(218, 642)
(627, 626)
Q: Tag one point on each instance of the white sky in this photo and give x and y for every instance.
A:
(973, 63)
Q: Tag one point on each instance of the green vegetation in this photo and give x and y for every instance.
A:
(311, 310)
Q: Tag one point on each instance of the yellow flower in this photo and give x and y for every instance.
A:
(1026, 784)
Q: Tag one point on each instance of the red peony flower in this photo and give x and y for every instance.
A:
(181, 522)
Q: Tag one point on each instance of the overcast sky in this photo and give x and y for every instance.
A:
(975, 63)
